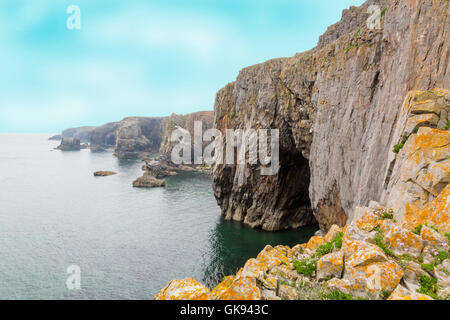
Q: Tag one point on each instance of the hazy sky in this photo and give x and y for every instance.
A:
(139, 58)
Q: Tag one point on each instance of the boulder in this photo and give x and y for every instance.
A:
(330, 266)
(148, 181)
(401, 293)
(186, 289)
(104, 173)
(402, 241)
(434, 238)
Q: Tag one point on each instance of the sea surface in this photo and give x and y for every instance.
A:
(127, 242)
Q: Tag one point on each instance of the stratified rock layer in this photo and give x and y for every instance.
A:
(336, 107)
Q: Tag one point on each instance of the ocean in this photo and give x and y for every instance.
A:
(128, 243)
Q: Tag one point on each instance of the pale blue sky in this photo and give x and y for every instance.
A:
(139, 58)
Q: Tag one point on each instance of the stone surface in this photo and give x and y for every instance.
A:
(138, 137)
(103, 137)
(69, 144)
(402, 241)
(337, 107)
(330, 266)
(186, 289)
(80, 133)
(104, 173)
(186, 122)
(421, 169)
(433, 238)
(148, 181)
(401, 293)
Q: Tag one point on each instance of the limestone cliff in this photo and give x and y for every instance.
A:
(80, 133)
(337, 107)
(185, 122)
(138, 137)
(103, 137)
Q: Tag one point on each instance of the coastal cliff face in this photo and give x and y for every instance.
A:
(138, 137)
(185, 122)
(80, 133)
(398, 252)
(337, 107)
(104, 137)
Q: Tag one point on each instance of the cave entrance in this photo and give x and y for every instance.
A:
(294, 180)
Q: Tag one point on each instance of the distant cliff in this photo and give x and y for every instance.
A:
(185, 122)
(336, 107)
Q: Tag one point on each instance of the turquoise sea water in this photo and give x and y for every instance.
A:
(128, 242)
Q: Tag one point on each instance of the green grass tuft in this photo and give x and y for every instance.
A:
(428, 286)
(337, 295)
(306, 267)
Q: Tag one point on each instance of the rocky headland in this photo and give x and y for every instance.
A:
(70, 144)
(160, 167)
(364, 150)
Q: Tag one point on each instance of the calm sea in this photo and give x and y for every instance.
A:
(128, 242)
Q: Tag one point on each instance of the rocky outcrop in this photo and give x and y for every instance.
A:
(185, 122)
(346, 263)
(56, 137)
(138, 137)
(336, 107)
(69, 144)
(104, 173)
(103, 137)
(163, 166)
(419, 157)
(148, 181)
(80, 133)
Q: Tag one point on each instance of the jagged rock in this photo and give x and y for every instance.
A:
(436, 213)
(420, 170)
(401, 293)
(80, 133)
(336, 107)
(104, 173)
(434, 238)
(138, 137)
(412, 274)
(103, 137)
(185, 122)
(69, 144)
(57, 137)
(186, 289)
(401, 241)
(148, 181)
(330, 265)
(287, 292)
(269, 295)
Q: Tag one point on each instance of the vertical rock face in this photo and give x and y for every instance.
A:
(185, 122)
(138, 137)
(419, 161)
(336, 107)
(104, 136)
(80, 133)
(69, 144)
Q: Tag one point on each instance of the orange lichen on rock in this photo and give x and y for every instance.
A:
(186, 289)
(368, 221)
(401, 293)
(330, 265)
(402, 241)
(436, 213)
(315, 242)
